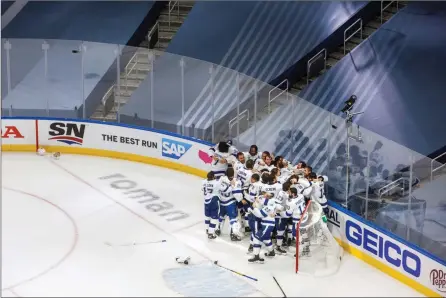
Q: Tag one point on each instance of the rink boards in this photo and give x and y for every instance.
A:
(396, 257)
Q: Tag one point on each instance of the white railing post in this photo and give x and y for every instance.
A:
(237, 82)
(255, 111)
(82, 50)
(118, 83)
(270, 100)
(151, 57)
(211, 72)
(312, 60)
(354, 33)
(8, 48)
(237, 118)
(182, 65)
(45, 48)
(437, 168)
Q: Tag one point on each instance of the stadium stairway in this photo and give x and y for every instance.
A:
(339, 53)
(158, 38)
(332, 58)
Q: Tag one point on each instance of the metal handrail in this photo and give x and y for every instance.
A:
(386, 188)
(437, 168)
(110, 90)
(385, 7)
(237, 118)
(172, 7)
(270, 100)
(155, 28)
(311, 61)
(107, 94)
(354, 33)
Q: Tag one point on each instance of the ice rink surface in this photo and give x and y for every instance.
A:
(57, 217)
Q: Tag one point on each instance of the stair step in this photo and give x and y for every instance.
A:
(184, 11)
(294, 91)
(134, 76)
(125, 94)
(393, 9)
(331, 62)
(349, 46)
(367, 31)
(386, 16)
(187, 3)
(129, 83)
(173, 18)
(108, 118)
(159, 47)
(140, 59)
(374, 24)
(355, 40)
(166, 34)
(300, 85)
(336, 55)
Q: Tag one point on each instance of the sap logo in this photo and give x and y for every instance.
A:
(333, 217)
(68, 133)
(174, 149)
(386, 249)
(11, 132)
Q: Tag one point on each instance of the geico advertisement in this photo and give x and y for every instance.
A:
(389, 251)
(18, 132)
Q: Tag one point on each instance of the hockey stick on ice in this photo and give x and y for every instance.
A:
(134, 243)
(241, 274)
(284, 295)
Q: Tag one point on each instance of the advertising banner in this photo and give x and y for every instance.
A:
(395, 257)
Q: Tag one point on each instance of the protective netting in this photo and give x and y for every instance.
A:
(317, 251)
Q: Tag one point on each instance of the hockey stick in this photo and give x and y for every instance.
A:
(134, 243)
(241, 274)
(284, 295)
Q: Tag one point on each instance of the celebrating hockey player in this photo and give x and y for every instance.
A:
(240, 162)
(230, 195)
(265, 211)
(253, 154)
(282, 218)
(265, 164)
(297, 205)
(318, 192)
(211, 189)
(250, 220)
(222, 155)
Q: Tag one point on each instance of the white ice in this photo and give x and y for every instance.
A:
(57, 216)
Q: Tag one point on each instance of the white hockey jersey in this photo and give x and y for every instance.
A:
(262, 166)
(282, 197)
(318, 193)
(254, 158)
(230, 193)
(255, 190)
(218, 166)
(244, 176)
(211, 189)
(238, 166)
(303, 187)
(272, 190)
(266, 212)
(295, 207)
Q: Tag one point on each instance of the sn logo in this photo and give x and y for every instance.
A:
(174, 149)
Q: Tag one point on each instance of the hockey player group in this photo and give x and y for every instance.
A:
(263, 196)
